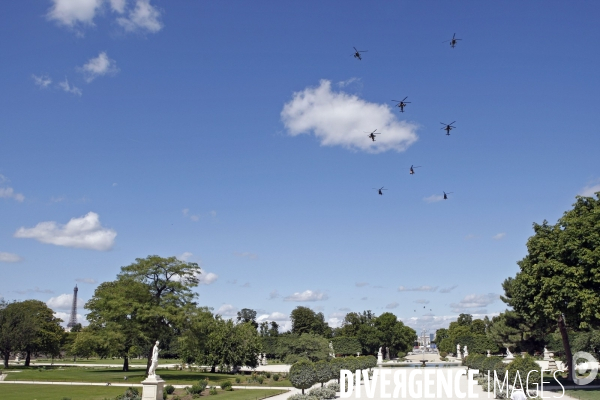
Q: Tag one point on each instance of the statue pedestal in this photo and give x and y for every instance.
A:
(379, 358)
(153, 388)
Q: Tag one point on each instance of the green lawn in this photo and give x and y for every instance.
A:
(238, 394)
(592, 394)
(54, 392)
(116, 361)
(115, 375)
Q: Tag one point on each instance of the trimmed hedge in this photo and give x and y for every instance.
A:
(346, 346)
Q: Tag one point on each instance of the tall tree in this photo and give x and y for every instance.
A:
(247, 315)
(148, 301)
(305, 320)
(47, 333)
(559, 277)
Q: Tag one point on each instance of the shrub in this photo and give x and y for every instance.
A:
(322, 393)
(213, 391)
(524, 365)
(371, 362)
(227, 386)
(443, 354)
(198, 388)
(334, 386)
(322, 371)
(237, 379)
(169, 389)
(130, 394)
(268, 375)
(302, 375)
(260, 379)
(275, 377)
(346, 345)
(337, 364)
(294, 358)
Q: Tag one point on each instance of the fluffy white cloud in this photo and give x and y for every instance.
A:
(143, 17)
(9, 193)
(250, 256)
(227, 310)
(65, 317)
(499, 236)
(72, 12)
(590, 190)
(64, 85)
(307, 295)
(274, 316)
(185, 256)
(42, 81)
(341, 119)
(9, 257)
(434, 198)
(418, 289)
(392, 305)
(61, 302)
(474, 303)
(85, 233)
(206, 278)
(99, 66)
(118, 5)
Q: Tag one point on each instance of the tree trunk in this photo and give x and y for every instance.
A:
(213, 369)
(565, 339)
(6, 356)
(28, 358)
(125, 364)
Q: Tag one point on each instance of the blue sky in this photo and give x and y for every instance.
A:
(232, 134)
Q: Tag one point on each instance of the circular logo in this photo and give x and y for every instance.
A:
(590, 364)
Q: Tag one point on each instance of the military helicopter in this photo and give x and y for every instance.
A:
(357, 53)
(380, 190)
(452, 41)
(401, 104)
(372, 134)
(446, 195)
(412, 171)
(448, 127)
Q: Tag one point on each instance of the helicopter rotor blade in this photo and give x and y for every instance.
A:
(405, 98)
(451, 122)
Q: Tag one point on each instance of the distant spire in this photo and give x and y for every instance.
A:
(73, 318)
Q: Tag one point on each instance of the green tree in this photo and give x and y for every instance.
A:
(302, 375)
(323, 371)
(559, 277)
(305, 320)
(247, 315)
(149, 301)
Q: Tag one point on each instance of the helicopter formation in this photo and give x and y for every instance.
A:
(401, 104)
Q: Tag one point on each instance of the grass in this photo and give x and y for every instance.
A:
(52, 392)
(115, 375)
(238, 394)
(591, 394)
(112, 361)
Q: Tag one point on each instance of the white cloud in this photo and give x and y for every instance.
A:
(421, 301)
(186, 213)
(227, 310)
(434, 198)
(250, 256)
(69, 88)
(91, 281)
(274, 294)
(474, 303)
(9, 193)
(185, 256)
(72, 12)
(42, 81)
(418, 289)
(9, 257)
(361, 284)
(348, 82)
(85, 233)
(61, 302)
(393, 305)
(590, 190)
(206, 278)
(341, 119)
(118, 5)
(448, 289)
(99, 66)
(499, 236)
(274, 316)
(307, 295)
(143, 17)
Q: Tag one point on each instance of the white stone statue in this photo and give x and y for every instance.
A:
(331, 352)
(154, 364)
(380, 356)
(458, 355)
(509, 355)
(546, 354)
(466, 350)
(489, 354)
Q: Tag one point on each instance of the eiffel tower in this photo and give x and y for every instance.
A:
(73, 318)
